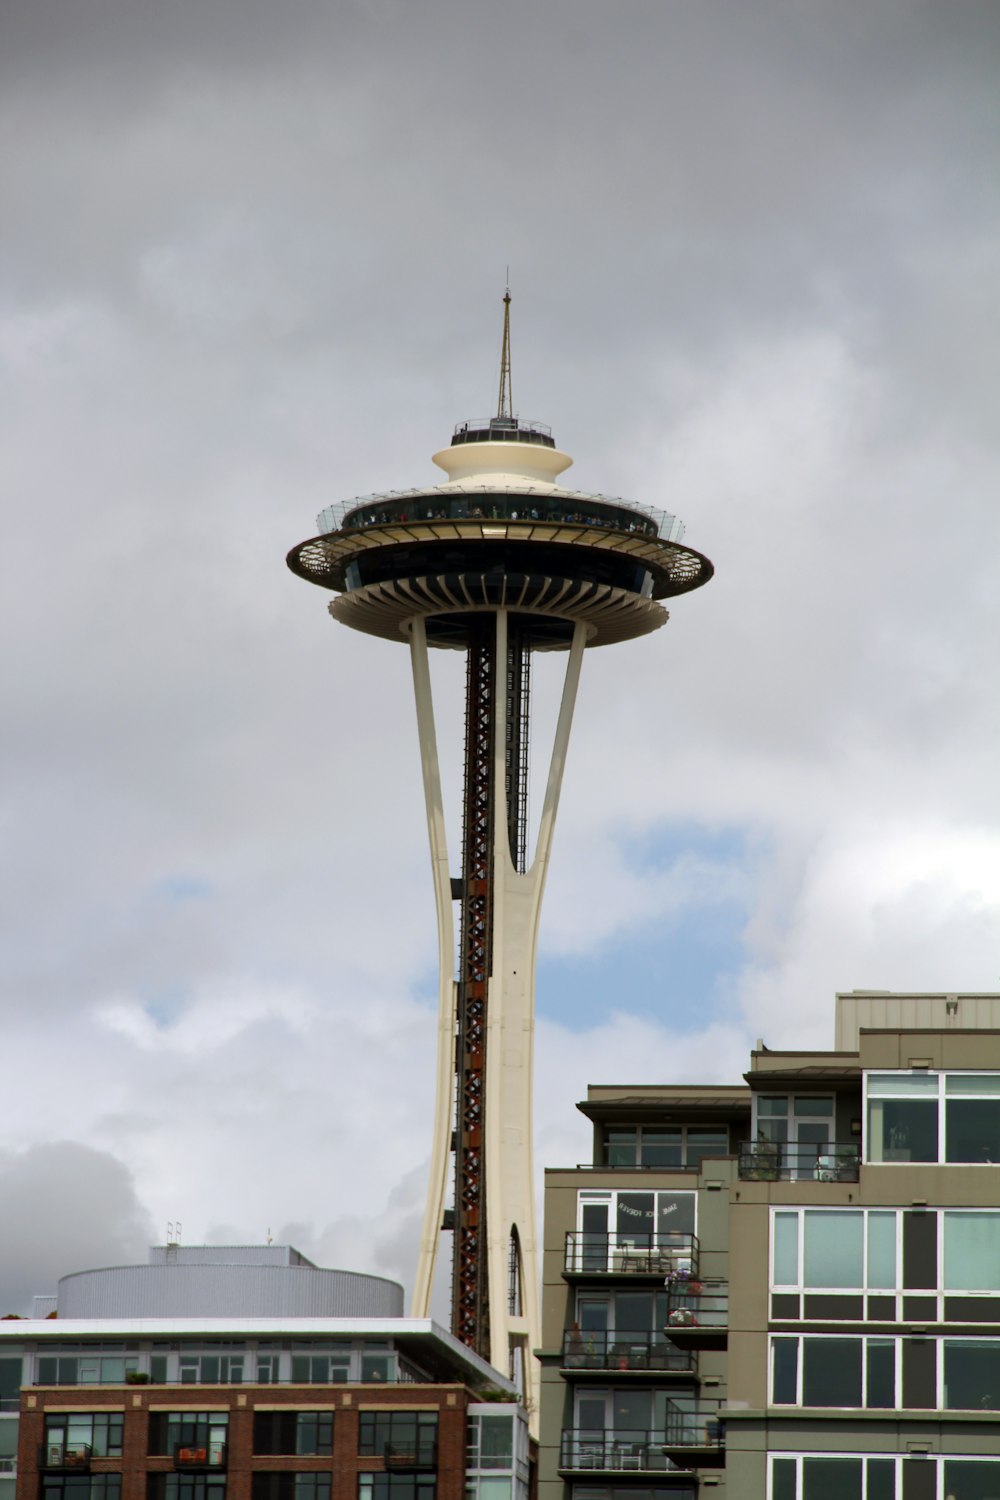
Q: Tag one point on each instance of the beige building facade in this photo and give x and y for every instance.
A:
(788, 1289)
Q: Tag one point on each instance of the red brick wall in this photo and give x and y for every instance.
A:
(240, 1401)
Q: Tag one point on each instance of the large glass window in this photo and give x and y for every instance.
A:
(926, 1117)
(396, 1486)
(971, 1252)
(972, 1479)
(971, 1375)
(85, 1369)
(202, 1433)
(308, 1433)
(99, 1433)
(902, 1117)
(322, 1369)
(676, 1146)
(831, 1372)
(211, 1369)
(399, 1434)
(81, 1487)
(186, 1487)
(834, 1247)
(278, 1485)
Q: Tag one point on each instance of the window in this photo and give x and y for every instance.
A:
(175, 1431)
(276, 1485)
(322, 1369)
(933, 1117)
(650, 1146)
(186, 1487)
(971, 1478)
(85, 1369)
(268, 1368)
(834, 1249)
(75, 1432)
(971, 1375)
(834, 1372)
(81, 1487)
(211, 1369)
(396, 1486)
(491, 1442)
(400, 1435)
(10, 1383)
(971, 1251)
(307, 1433)
(860, 1477)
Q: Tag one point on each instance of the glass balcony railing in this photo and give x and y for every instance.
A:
(629, 1254)
(777, 1161)
(623, 1351)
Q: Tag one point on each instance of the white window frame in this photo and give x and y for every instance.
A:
(942, 1075)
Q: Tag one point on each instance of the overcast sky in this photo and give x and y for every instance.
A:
(252, 263)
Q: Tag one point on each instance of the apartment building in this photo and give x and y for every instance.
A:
(788, 1289)
(115, 1395)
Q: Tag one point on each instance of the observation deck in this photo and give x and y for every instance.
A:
(500, 534)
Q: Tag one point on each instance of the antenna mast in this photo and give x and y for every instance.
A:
(505, 405)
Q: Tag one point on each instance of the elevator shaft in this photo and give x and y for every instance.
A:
(484, 674)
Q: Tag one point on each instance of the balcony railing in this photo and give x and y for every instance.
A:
(629, 1254)
(612, 1452)
(694, 1434)
(56, 1455)
(200, 1456)
(623, 1351)
(412, 1457)
(697, 1312)
(777, 1161)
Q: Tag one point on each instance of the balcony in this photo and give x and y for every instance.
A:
(695, 1436)
(639, 1353)
(200, 1456)
(697, 1313)
(632, 1255)
(777, 1161)
(61, 1456)
(413, 1458)
(631, 1452)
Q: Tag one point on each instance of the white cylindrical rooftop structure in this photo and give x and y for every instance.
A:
(214, 1281)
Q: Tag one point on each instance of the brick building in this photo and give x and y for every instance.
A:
(245, 1405)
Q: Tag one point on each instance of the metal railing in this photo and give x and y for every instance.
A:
(777, 1161)
(57, 1455)
(488, 503)
(696, 1303)
(618, 1452)
(693, 1426)
(502, 430)
(622, 1351)
(411, 1456)
(200, 1456)
(630, 1254)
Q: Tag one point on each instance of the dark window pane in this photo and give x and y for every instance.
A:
(972, 1130)
(786, 1372)
(702, 1143)
(833, 1309)
(881, 1309)
(621, 1147)
(881, 1479)
(784, 1305)
(919, 1309)
(831, 1372)
(831, 1479)
(783, 1479)
(881, 1358)
(975, 1480)
(660, 1148)
(972, 1375)
(635, 1218)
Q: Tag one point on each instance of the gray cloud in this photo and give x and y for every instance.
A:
(252, 266)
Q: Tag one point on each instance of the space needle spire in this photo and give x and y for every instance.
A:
(498, 561)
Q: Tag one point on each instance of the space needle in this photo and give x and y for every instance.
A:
(497, 561)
